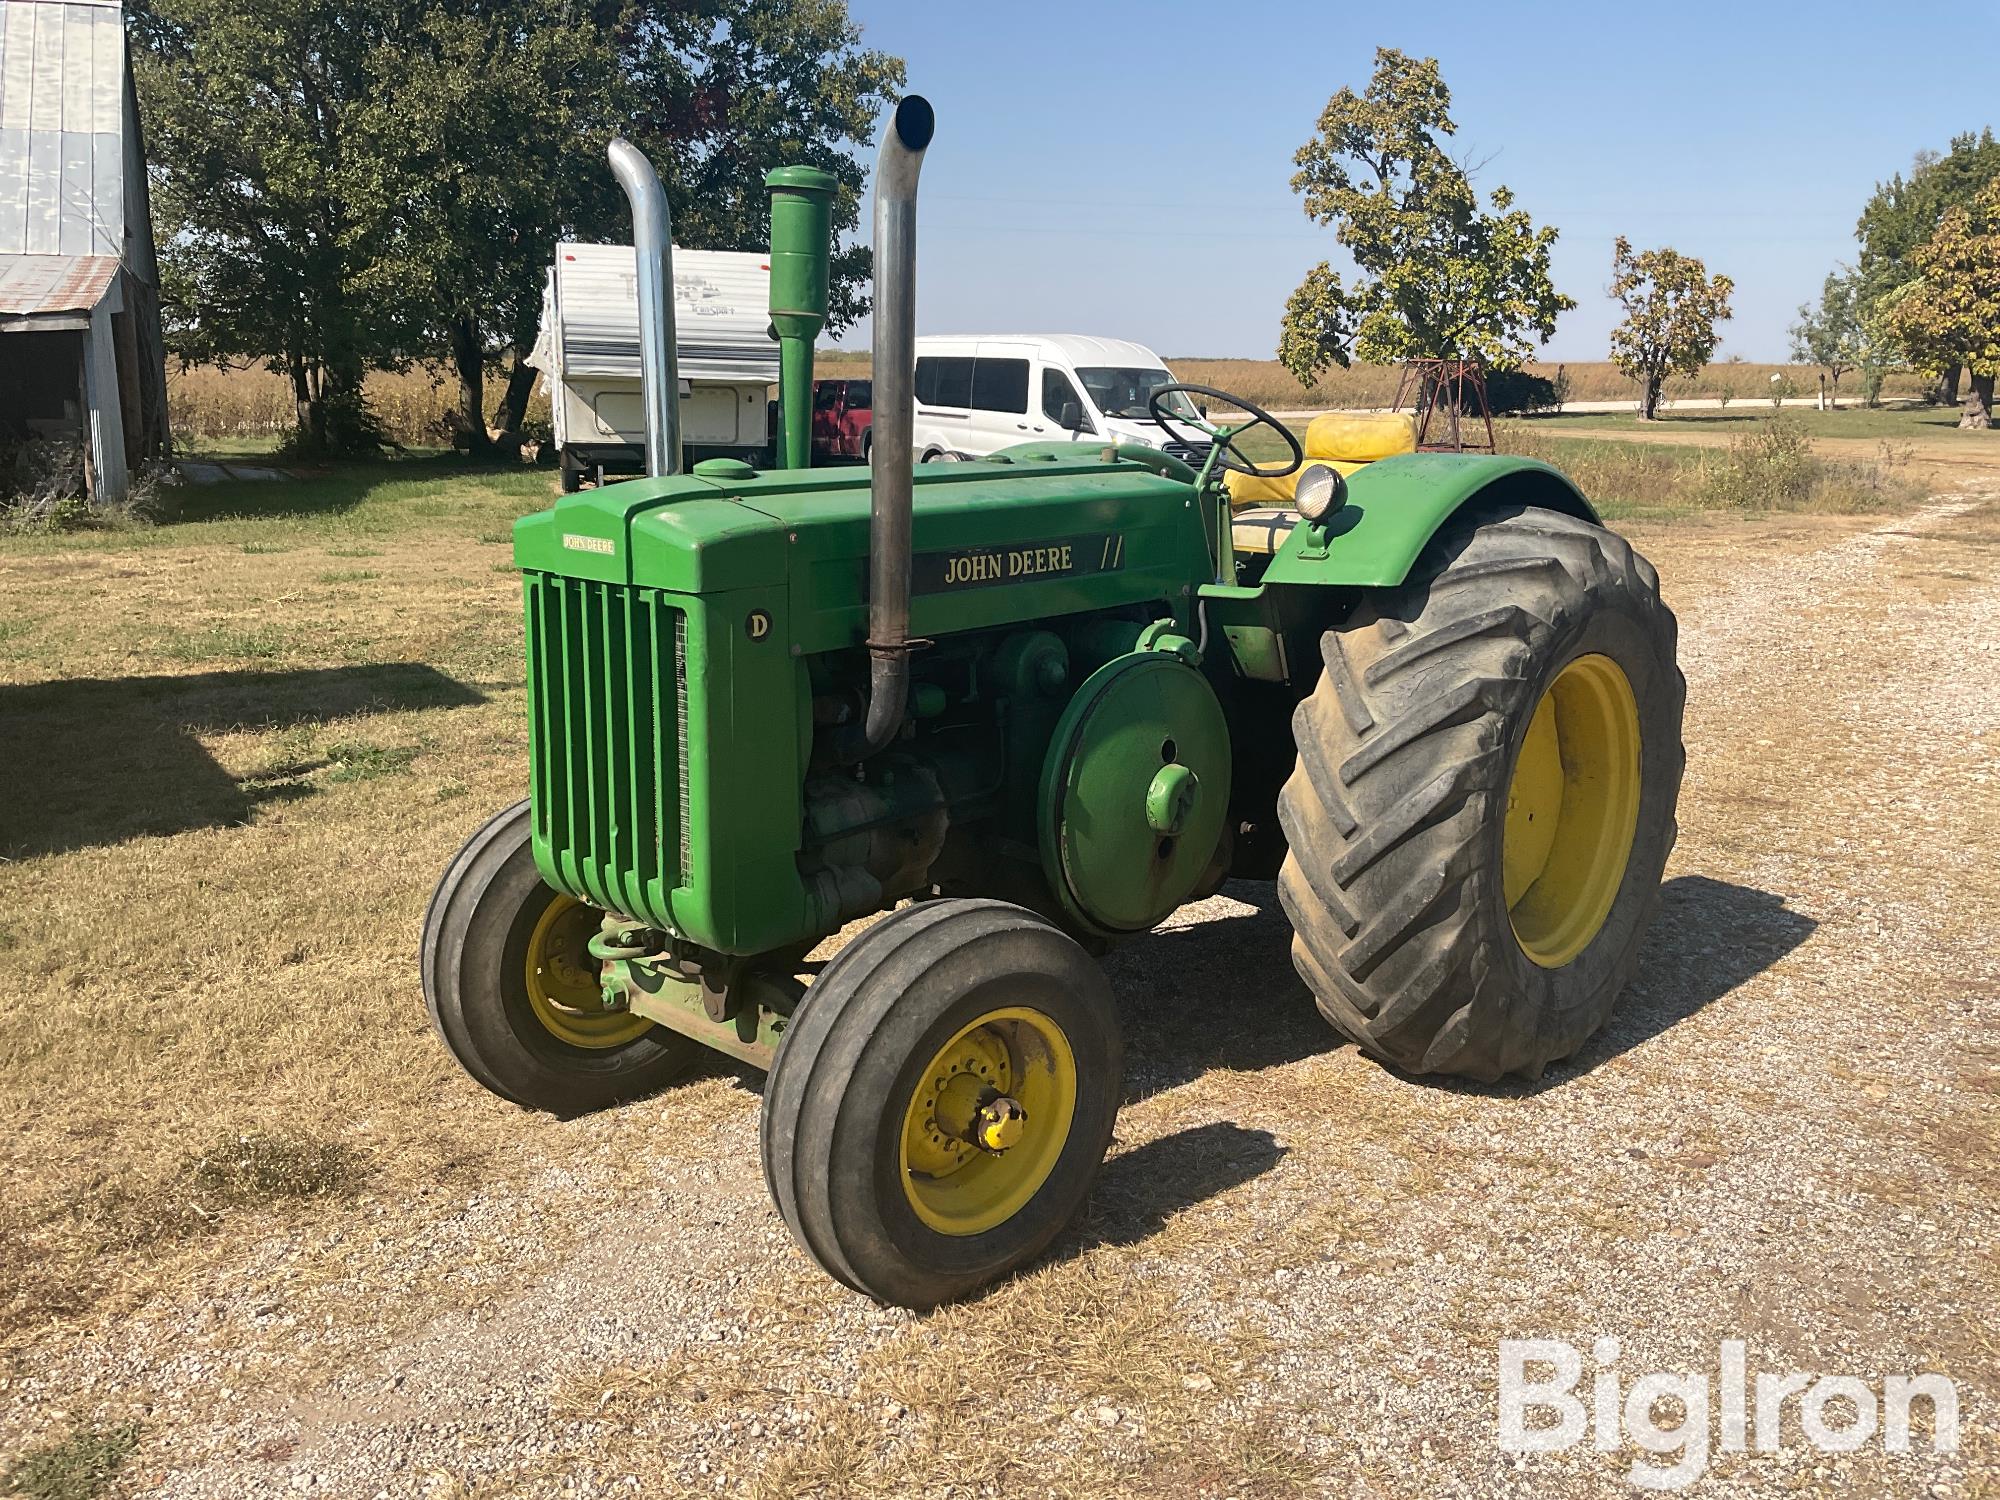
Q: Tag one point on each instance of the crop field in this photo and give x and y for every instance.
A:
(1267, 383)
(213, 406)
(260, 1236)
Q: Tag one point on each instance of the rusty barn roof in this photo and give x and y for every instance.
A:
(54, 283)
(62, 123)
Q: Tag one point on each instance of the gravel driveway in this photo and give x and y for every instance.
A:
(1299, 1267)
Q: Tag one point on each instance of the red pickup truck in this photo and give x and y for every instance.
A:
(842, 414)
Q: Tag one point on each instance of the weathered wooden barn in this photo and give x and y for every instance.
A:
(80, 346)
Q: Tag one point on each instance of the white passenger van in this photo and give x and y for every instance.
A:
(978, 393)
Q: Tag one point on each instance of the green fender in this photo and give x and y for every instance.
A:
(1396, 505)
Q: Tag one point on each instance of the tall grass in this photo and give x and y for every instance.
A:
(1772, 467)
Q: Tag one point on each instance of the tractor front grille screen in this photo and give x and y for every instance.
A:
(608, 740)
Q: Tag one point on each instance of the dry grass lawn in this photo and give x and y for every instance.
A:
(259, 1234)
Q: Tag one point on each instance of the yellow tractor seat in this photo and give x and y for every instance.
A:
(1262, 529)
(1342, 440)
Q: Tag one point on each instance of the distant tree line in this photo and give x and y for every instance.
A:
(1439, 273)
(345, 184)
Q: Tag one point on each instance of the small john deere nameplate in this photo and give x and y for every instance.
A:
(602, 544)
(979, 567)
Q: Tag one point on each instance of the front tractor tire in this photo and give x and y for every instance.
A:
(1484, 798)
(939, 1106)
(512, 989)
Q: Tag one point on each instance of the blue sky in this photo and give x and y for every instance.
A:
(1124, 169)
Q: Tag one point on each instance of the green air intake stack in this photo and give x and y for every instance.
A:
(801, 245)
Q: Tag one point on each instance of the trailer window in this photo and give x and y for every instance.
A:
(944, 380)
(1000, 385)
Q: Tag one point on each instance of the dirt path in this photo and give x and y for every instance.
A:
(1299, 1267)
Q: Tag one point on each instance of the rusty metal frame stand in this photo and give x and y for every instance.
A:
(1450, 390)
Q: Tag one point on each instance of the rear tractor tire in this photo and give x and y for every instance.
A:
(513, 991)
(1484, 798)
(939, 1106)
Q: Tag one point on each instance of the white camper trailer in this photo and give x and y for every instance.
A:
(588, 351)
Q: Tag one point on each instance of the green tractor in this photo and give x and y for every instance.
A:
(1027, 707)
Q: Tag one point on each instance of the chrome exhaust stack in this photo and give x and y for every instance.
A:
(895, 374)
(653, 250)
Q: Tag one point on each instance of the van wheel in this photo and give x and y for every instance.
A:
(868, 449)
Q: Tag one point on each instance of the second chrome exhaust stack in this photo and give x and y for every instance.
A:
(659, 360)
(895, 373)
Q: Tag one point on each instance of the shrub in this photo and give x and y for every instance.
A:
(1771, 468)
(1519, 393)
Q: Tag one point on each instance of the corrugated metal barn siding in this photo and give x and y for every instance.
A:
(62, 171)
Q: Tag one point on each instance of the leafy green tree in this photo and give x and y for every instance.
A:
(1834, 333)
(481, 115)
(1948, 315)
(499, 113)
(1671, 308)
(1904, 212)
(368, 181)
(1437, 273)
(271, 223)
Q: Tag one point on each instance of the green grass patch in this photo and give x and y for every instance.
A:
(223, 643)
(81, 1466)
(346, 575)
(219, 643)
(349, 510)
(358, 760)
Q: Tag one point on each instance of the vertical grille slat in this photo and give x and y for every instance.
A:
(681, 729)
(656, 833)
(604, 681)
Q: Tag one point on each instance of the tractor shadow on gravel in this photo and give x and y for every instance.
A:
(1222, 994)
(100, 760)
(1215, 995)
(1709, 937)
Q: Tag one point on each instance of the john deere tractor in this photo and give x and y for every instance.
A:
(1026, 707)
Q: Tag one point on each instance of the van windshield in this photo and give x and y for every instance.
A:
(1122, 391)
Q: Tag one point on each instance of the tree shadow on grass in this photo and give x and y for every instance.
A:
(100, 760)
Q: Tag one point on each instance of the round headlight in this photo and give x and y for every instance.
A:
(1321, 490)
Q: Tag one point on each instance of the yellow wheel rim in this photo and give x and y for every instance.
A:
(1572, 808)
(958, 1187)
(562, 980)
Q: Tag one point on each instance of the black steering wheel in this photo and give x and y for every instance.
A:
(1227, 454)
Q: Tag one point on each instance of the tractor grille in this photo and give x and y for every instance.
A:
(607, 689)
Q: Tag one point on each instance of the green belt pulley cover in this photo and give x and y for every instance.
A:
(1134, 791)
